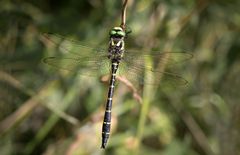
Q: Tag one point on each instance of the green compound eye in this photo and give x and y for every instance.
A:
(112, 32)
(121, 33)
(117, 32)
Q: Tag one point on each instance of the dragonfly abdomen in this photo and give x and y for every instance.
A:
(107, 116)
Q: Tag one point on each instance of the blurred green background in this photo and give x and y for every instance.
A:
(48, 111)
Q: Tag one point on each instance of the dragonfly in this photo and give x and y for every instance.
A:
(114, 60)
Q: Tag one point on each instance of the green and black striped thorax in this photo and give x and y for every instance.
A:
(116, 44)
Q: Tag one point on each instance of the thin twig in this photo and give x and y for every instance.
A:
(124, 12)
(135, 94)
(5, 77)
(127, 83)
(15, 118)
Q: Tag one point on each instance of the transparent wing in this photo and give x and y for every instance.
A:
(166, 57)
(87, 66)
(75, 56)
(157, 66)
(66, 45)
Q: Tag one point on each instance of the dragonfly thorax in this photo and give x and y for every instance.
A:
(116, 48)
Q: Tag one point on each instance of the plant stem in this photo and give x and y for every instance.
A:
(124, 12)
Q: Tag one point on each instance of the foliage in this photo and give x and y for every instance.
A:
(50, 111)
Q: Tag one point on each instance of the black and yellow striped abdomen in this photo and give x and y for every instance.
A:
(107, 116)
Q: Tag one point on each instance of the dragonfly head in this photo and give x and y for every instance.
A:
(117, 32)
